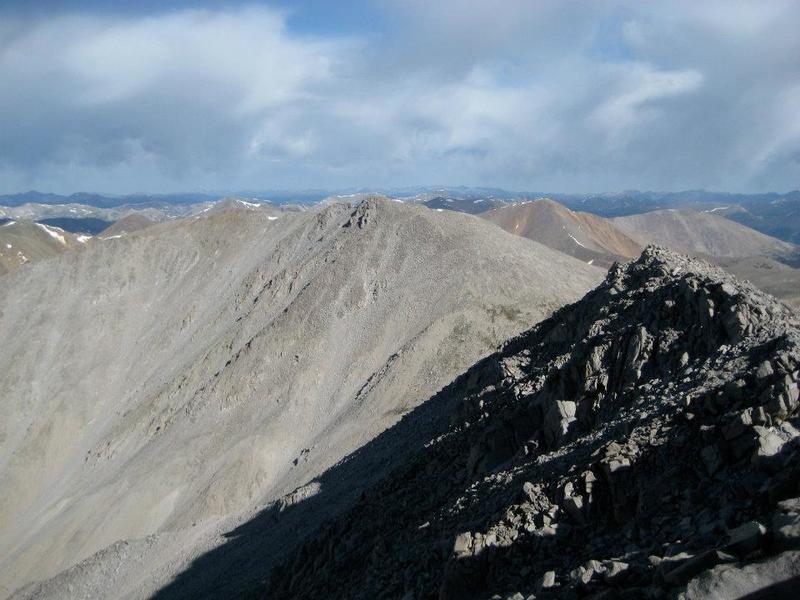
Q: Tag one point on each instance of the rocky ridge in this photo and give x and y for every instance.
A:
(641, 443)
(161, 388)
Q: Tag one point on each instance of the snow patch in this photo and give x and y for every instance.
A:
(715, 209)
(9, 223)
(272, 218)
(576, 241)
(249, 204)
(591, 262)
(113, 237)
(53, 232)
(83, 238)
(9, 246)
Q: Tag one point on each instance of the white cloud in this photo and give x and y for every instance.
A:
(541, 96)
(637, 100)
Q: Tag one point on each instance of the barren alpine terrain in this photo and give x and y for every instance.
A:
(590, 238)
(159, 385)
(26, 242)
(399, 300)
(641, 443)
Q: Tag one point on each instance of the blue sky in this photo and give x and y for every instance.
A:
(554, 95)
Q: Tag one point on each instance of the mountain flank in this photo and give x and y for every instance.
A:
(579, 234)
(704, 233)
(640, 443)
(24, 242)
(127, 224)
(767, 262)
(226, 362)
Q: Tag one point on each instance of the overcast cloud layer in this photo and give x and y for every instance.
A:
(525, 95)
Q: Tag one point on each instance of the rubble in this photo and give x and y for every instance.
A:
(641, 443)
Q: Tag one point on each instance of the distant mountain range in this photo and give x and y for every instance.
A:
(746, 234)
(609, 204)
(764, 260)
(774, 214)
(101, 201)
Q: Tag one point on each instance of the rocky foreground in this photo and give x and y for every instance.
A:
(641, 443)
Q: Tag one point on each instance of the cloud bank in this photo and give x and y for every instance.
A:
(540, 96)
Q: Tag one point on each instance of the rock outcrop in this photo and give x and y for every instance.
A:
(641, 443)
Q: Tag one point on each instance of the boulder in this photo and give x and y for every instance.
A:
(777, 577)
(746, 538)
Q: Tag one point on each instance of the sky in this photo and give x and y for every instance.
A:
(153, 96)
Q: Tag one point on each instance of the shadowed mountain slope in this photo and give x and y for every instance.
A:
(160, 388)
(641, 443)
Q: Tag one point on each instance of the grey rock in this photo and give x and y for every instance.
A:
(786, 530)
(764, 370)
(768, 443)
(778, 575)
(790, 506)
(614, 570)
(547, 580)
(681, 569)
(463, 544)
(746, 537)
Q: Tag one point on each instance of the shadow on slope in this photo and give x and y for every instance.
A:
(241, 566)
